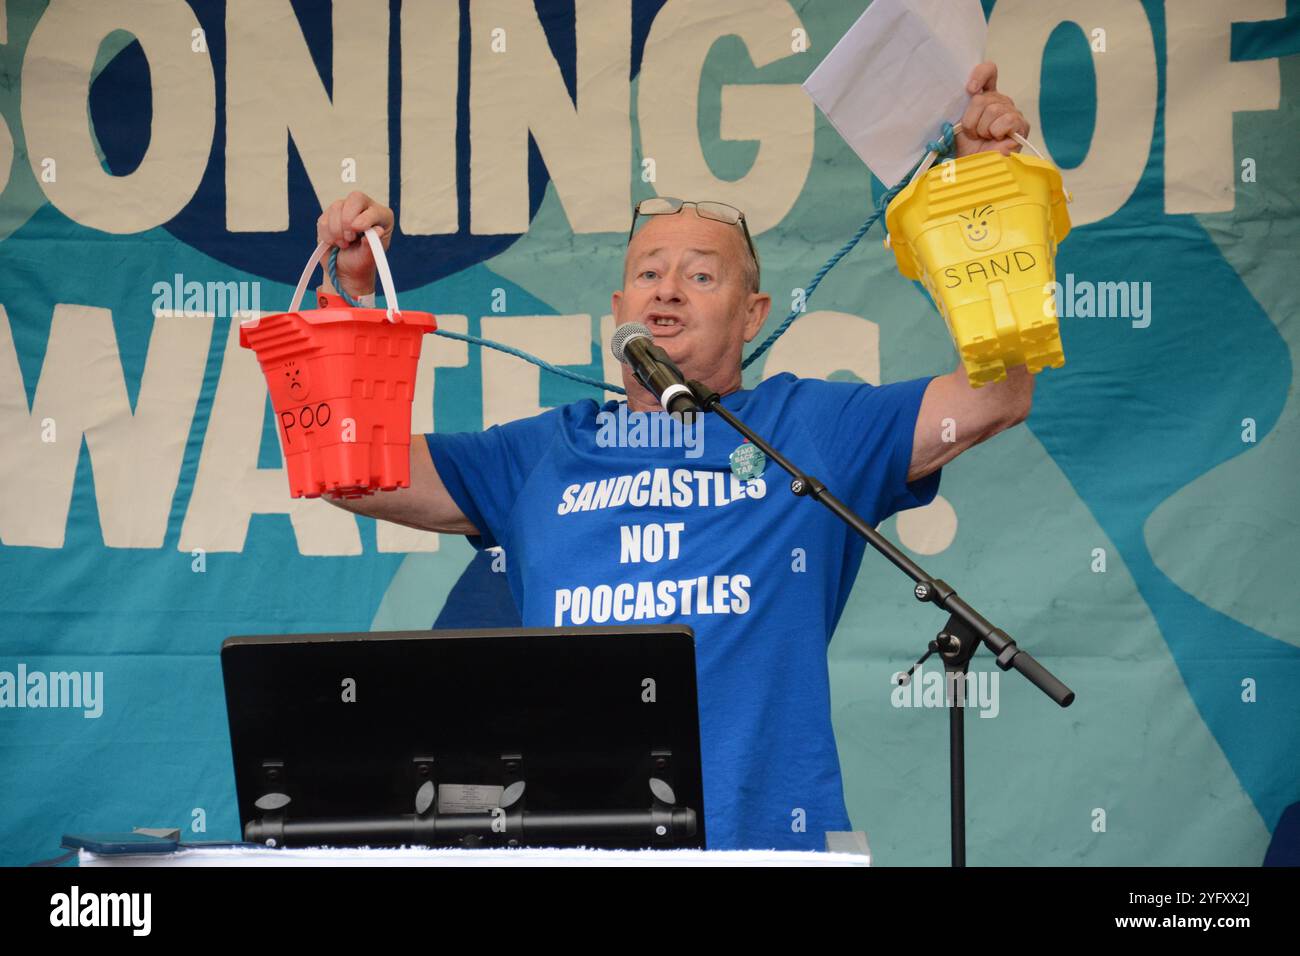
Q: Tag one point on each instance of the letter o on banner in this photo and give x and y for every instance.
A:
(57, 67)
(1126, 91)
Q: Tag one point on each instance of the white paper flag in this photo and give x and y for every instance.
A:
(898, 73)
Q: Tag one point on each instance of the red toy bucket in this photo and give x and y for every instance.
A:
(341, 382)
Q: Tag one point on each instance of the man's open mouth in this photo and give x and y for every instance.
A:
(661, 324)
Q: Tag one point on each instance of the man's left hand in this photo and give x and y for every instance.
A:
(991, 117)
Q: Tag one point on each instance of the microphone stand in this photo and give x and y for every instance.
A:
(956, 644)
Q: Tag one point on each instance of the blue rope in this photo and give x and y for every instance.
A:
(332, 265)
(941, 147)
(540, 363)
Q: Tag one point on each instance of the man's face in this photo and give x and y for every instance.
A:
(684, 278)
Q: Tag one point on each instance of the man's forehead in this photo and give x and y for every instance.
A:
(706, 236)
(699, 252)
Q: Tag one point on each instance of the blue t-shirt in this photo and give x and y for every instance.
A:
(760, 575)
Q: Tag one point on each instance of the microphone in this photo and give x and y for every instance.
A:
(633, 345)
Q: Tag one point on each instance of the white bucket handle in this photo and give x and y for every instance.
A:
(930, 157)
(381, 263)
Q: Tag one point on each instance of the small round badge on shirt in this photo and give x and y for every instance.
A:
(747, 461)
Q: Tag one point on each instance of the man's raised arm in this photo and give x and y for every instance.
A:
(975, 414)
(425, 505)
(954, 416)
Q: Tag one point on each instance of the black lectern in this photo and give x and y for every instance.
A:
(576, 736)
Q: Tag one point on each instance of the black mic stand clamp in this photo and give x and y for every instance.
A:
(956, 643)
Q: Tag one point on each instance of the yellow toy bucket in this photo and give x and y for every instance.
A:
(981, 234)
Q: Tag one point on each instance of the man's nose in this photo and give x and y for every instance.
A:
(669, 288)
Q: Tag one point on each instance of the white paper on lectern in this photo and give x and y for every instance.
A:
(899, 72)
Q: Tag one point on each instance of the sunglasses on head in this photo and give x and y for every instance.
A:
(719, 211)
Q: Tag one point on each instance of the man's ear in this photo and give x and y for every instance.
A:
(760, 304)
(614, 300)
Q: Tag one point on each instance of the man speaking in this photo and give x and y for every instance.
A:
(601, 532)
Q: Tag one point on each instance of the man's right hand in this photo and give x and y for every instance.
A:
(342, 225)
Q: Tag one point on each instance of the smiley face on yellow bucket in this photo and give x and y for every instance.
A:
(980, 228)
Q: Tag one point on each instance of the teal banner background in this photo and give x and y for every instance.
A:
(1137, 534)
